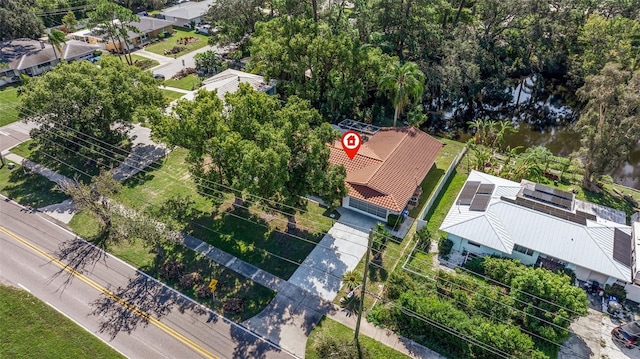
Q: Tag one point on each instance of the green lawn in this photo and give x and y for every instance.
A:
(171, 95)
(190, 82)
(170, 42)
(9, 102)
(28, 188)
(31, 329)
(443, 161)
(337, 330)
(253, 236)
(23, 149)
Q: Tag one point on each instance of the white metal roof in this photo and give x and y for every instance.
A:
(504, 224)
(188, 10)
(228, 81)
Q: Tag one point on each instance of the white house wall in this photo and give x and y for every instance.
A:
(633, 292)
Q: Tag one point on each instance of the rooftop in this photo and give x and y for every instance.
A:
(22, 54)
(579, 236)
(188, 10)
(389, 166)
(228, 81)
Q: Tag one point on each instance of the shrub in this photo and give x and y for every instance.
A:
(394, 221)
(187, 281)
(445, 246)
(171, 270)
(203, 291)
(476, 265)
(184, 73)
(234, 304)
(144, 64)
(398, 283)
(424, 239)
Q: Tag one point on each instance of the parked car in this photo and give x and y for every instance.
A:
(158, 76)
(628, 334)
(204, 29)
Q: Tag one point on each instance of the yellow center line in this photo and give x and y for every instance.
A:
(139, 312)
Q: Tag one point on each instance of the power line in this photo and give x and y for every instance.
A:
(554, 304)
(204, 194)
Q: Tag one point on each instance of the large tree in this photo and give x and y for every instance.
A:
(18, 19)
(82, 108)
(402, 83)
(256, 145)
(610, 121)
(236, 19)
(113, 21)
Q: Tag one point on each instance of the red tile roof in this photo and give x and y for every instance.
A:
(389, 166)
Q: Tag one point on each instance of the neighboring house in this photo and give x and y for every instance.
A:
(33, 57)
(229, 80)
(149, 28)
(545, 227)
(385, 175)
(187, 12)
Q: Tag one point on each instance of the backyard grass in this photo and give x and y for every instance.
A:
(337, 330)
(442, 163)
(27, 188)
(169, 42)
(189, 83)
(171, 95)
(9, 102)
(31, 329)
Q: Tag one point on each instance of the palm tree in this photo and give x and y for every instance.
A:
(57, 38)
(402, 84)
(352, 279)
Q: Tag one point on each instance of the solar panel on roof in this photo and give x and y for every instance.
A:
(480, 202)
(486, 188)
(467, 193)
(553, 191)
(622, 247)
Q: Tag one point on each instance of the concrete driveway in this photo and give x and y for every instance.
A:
(340, 250)
(592, 339)
(170, 66)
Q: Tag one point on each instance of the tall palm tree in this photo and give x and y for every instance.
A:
(402, 84)
(57, 38)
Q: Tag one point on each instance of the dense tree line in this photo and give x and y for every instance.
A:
(531, 300)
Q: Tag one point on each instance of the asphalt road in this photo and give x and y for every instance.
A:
(135, 314)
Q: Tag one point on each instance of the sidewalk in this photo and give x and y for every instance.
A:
(290, 317)
(384, 336)
(150, 55)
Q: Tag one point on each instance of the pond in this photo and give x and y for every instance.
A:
(543, 119)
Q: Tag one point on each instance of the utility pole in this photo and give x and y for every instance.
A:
(362, 293)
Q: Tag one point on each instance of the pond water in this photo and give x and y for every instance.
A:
(543, 119)
(562, 141)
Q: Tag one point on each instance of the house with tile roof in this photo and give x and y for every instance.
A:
(186, 12)
(33, 57)
(388, 169)
(545, 227)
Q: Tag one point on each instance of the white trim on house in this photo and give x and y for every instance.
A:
(504, 225)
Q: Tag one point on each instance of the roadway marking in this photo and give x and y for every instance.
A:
(23, 287)
(4, 133)
(142, 314)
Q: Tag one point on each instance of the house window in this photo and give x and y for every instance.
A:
(368, 207)
(523, 250)
(473, 244)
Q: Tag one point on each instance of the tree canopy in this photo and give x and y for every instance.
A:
(610, 121)
(18, 19)
(256, 144)
(82, 107)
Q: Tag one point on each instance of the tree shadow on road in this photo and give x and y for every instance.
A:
(125, 308)
(79, 255)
